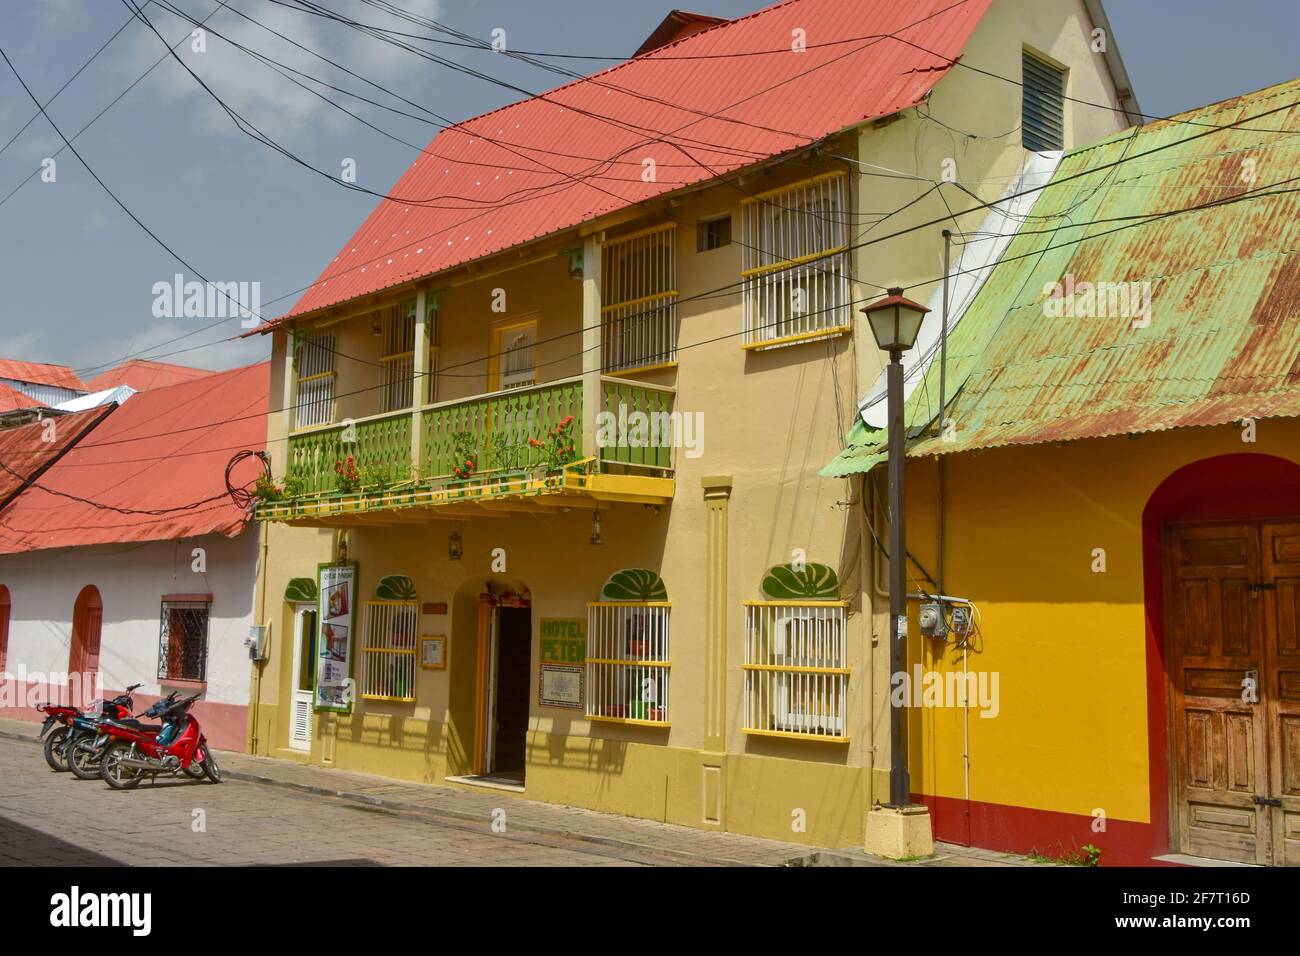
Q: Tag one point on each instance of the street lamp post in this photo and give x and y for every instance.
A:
(895, 322)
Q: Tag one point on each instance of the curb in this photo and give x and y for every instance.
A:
(678, 856)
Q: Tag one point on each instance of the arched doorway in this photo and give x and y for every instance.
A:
(83, 658)
(1221, 557)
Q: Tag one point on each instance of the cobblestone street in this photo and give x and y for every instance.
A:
(273, 812)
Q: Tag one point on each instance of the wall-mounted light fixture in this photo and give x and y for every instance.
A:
(454, 549)
(376, 327)
(595, 528)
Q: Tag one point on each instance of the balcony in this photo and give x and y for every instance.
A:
(484, 453)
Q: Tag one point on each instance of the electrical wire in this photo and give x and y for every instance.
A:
(730, 335)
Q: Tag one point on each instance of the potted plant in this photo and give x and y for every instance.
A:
(349, 478)
(558, 448)
(464, 458)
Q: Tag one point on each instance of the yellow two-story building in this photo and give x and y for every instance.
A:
(546, 513)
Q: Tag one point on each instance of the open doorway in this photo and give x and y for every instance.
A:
(509, 695)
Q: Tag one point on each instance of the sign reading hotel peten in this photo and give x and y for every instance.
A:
(179, 299)
(77, 909)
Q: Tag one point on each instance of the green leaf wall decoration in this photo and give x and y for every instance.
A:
(301, 591)
(815, 582)
(396, 587)
(634, 584)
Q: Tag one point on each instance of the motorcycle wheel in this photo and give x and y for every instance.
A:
(195, 770)
(55, 754)
(83, 760)
(110, 767)
(210, 766)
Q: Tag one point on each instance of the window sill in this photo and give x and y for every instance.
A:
(802, 337)
(792, 735)
(183, 682)
(641, 370)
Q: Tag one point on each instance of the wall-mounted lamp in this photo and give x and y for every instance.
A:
(376, 327)
(595, 528)
(454, 549)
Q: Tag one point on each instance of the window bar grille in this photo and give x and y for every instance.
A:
(796, 673)
(627, 662)
(639, 292)
(398, 360)
(795, 241)
(315, 386)
(390, 650)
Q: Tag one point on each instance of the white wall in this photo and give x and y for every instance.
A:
(43, 587)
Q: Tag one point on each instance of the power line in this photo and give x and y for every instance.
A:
(1129, 222)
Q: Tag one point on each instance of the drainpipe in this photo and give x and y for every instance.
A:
(259, 615)
(938, 560)
(943, 410)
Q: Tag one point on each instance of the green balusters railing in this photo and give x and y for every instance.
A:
(640, 427)
(496, 429)
(380, 447)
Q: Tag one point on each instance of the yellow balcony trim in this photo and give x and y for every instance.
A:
(316, 377)
(630, 720)
(791, 263)
(625, 663)
(647, 231)
(801, 184)
(398, 700)
(397, 355)
(801, 337)
(782, 669)
(629, 604)
(628, 303)
(791, 735)
(827, 603)
(391, 602)
(640, 370)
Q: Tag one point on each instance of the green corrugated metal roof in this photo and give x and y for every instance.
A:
(1223, 341)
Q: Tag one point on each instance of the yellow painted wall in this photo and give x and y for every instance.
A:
(1069, 644)
(772, 419)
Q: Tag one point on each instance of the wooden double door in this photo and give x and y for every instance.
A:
(1233, 659)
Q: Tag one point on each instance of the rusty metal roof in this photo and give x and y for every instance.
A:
(728, 97)
(1222, 339)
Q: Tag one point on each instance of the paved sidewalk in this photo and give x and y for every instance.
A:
(647, 840)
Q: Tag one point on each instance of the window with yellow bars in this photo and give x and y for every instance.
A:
(396, 324)
(638, 276)
(796, 669)
(796, 263)
(627, 661)
(314, 380)
(388, 650)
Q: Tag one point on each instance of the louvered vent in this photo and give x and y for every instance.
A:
(1043, 117)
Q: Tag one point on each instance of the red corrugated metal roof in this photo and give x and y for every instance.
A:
(11, 400)
(142, 374)
(25, 450)
(164, 448)
(754, 108)
(41, 373)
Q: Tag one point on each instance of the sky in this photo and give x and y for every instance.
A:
(78, 275)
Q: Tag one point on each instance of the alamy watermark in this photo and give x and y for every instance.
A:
(1098, 300)
(977, 690)
(208, 300)
(673, 429)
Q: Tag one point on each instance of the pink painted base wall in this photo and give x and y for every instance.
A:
(225, 725)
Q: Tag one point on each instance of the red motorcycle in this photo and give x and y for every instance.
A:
(56, 743)
(132, 750)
